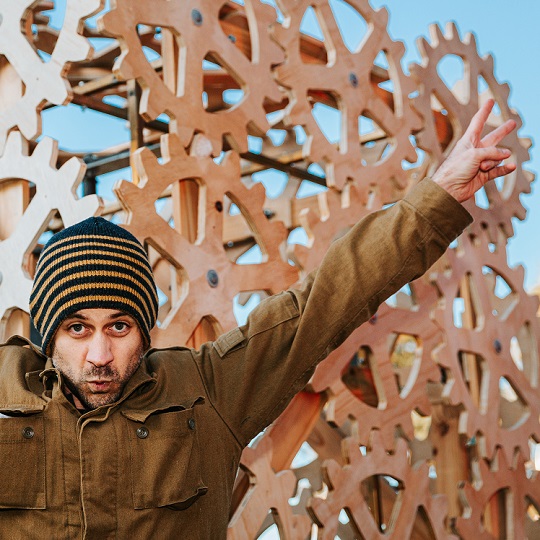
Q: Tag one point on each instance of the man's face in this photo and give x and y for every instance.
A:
(97, 351)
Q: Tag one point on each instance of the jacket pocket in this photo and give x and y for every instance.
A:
(165, 458)
(22, 462)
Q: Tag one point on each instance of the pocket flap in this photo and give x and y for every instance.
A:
(21, 410)
(141, 415)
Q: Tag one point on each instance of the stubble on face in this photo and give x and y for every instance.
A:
(79, 383)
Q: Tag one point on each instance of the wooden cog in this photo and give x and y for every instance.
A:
(344, 486)
(43, 81)
(190, 34)
(479, 352)
(55, 190)
(200, 296)
(268, 491)
(343, 80)
(512, 483)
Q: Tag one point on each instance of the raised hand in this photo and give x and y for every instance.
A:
(474, 161)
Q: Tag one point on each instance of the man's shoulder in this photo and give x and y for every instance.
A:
(169, 360)
(20, 354)
(18, 358)
(176, 374)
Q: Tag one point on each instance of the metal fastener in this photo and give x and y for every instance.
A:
(196, 17)
(191, 423)
(142, 432)
(232, 38)
(28, 433)
(219, 206)
(497, 345)
(212, 278)
(353, 79)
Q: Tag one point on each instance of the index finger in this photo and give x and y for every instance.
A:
(474, 131)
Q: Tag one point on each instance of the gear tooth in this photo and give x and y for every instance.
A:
(349, 446)
(298, 255)
(46, 150)
(376, 443)
(401, 448)
(451, 31)
(423, 46)
(308, 220)
(14, 144)
(3, 139)
(145, 162)
(520, 272)
(110, 20)
(259, 192)
(266, 12)
(526, 142)
(73, 169)
(382, 15)
(520, 212)
(333, 470)
(505, 87)
(506, 457)
(174, 147)
(518, 464)
(400, 48)
(489, 66)
(231, 163)
(437, 35)
(124, 190)
(470, 39)
(167, 142)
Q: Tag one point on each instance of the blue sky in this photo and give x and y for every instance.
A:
(511, 35)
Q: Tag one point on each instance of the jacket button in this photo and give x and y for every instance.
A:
(28, 433)
(191, 423)
(142, 432)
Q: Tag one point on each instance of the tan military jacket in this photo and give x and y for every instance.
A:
(161, 462)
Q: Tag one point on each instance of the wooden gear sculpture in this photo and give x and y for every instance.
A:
(424, 423)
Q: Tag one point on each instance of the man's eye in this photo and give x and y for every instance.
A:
(77, 328)
(120, 326)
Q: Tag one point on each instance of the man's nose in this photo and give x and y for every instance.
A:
(99, 350)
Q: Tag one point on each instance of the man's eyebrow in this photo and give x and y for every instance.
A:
(76, 315)
(112, 316)
(119, 314)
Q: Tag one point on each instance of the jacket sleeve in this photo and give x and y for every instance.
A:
(251, 373)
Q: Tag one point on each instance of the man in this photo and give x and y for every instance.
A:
(101, 441)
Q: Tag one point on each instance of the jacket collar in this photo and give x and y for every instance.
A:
(20, 359)
(36, 380)
(32, 375)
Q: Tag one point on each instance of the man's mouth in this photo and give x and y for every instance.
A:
(100, 385)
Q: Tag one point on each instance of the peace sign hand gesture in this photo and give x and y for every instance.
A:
(475, 161)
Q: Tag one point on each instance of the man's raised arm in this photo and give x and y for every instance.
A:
(252, 372)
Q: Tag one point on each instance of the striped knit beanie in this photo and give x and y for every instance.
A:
(93, 264)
